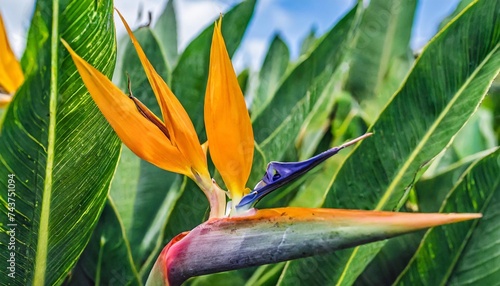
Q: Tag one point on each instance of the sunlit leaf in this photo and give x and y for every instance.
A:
(58, 145)
(454, 75)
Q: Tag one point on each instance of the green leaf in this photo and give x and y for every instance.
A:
(477, 135)
(454, 74)
(463, 253)
(189, 77)
(243, 78)
(228, 278)
(460, 7)
(266, 275)
(431, 192)
(259, 164)
(478, 261)
(279, 123)
(391, 260)
(382, 43)
(107, 259)
(166, 31)
(320, 119)
(124, 186)
(154, 192)
(270, 75)
(183, 209)
(396, 253)
(55, 141)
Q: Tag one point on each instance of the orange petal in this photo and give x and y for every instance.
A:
(181, 129)
(227, 122)
(11, 75)
(143, 137)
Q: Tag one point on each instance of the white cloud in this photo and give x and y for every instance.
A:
(194, 16)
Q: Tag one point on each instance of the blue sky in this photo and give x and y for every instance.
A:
(291, 19)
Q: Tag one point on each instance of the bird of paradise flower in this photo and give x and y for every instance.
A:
(236, 235)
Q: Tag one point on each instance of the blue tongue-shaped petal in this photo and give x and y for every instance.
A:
(282, 173)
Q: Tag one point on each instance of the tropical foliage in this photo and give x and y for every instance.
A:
(87, 211)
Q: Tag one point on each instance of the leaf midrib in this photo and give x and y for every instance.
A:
(431, 130)
(43, 232)
(462, 246)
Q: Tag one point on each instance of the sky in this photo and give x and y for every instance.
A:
(291, 19)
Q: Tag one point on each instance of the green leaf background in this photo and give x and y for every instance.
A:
(104, 214)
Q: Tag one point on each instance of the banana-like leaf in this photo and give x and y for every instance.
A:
(383, 42)
(308, 42)
(243, 78)
(270, 75)
(477, 135)
(274, 235)
(444, 88)
(460, 6)
(58, 148)
(124, 186)
(431, 192)
(453, 255)
(318, 122)
(228, 278)
(266, 275)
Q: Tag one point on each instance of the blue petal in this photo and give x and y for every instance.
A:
(281, 173)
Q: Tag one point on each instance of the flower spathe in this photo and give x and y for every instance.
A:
(280, 234)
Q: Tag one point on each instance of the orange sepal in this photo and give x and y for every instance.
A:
(177, 121)
(143, 137)
(227, 122)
